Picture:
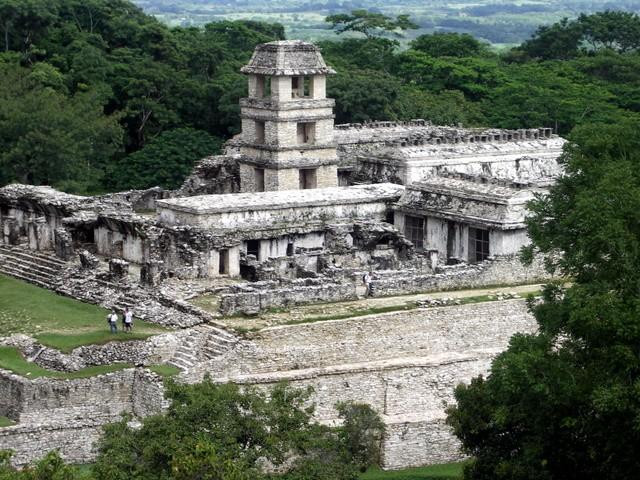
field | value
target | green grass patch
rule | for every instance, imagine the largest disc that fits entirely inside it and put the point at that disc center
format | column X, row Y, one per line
column 6, row 422
column 11, row 359
column 403, row 307
column 57, row 321
column 448, row 471
column 358, row 313
column 165, row 370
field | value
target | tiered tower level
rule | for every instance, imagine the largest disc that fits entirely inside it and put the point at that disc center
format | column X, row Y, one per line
column 287, row 122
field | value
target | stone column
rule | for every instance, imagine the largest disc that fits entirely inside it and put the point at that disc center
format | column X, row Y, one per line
column 10, row 230
column 151, row 272
column 63, row 244
column 43, row 234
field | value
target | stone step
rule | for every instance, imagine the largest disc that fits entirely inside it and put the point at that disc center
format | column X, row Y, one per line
column 184, row 356
column 227, row 342
column 33, row 256
column 180, row 364
column 25, row 277
column 210, row 352
column 30, row 266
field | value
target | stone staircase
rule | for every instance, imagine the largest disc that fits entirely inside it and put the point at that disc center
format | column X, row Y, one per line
column 32, row 266
column 201, row 343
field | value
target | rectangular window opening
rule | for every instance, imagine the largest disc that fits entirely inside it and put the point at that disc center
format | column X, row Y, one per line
column 308, row 178
column 263, row 86
column 259, row 179
column 306, row 132
column 307, row 87
column 260, row 128
column 414, row 231
column 478, row 244
column 253, row 248
column 290, row 249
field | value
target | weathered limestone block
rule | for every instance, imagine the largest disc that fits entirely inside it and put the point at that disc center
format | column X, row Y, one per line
column 88, row 260
column 63, row 244
column 118, row 268
column 151, row 272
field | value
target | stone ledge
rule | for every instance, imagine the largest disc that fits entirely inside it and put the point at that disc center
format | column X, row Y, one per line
column 435, row 360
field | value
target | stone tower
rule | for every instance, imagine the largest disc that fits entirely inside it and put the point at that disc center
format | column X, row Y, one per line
column 287, row 121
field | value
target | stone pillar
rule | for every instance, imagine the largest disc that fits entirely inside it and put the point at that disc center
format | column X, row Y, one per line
column 151, row 272
column 32, row 234
column 43, row 234
column 10, row 231
column 433, row 259
column 212, row 263
column 63, row 244
column 234, row 262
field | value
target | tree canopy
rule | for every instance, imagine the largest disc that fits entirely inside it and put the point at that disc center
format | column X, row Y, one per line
column 370, row 24
column 563, row 403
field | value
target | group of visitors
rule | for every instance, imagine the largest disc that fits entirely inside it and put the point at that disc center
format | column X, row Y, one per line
column 127, row 321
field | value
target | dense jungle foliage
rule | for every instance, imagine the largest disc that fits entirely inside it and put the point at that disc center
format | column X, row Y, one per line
column 95, row 95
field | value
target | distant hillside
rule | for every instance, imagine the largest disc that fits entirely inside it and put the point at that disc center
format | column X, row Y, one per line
column 496, row 21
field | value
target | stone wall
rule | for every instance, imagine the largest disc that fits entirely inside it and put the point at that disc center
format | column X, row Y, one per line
column 404, row 364
column 299, row 293
column 68, row 414
column 418, row 332
column 413, row 442
column 75, row 441
column 501, row 270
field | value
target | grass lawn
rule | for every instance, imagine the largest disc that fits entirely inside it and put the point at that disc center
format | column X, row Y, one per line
column 57, row 321
column 447, row 471
column 6, row 422
column 12, row 359
column 165, row 370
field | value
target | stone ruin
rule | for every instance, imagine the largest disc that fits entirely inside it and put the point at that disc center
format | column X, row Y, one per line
column 293, row 213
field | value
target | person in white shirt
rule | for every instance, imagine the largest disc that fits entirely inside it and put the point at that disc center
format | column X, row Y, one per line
column 128, row 320
column 366, row 279
column 112, row 320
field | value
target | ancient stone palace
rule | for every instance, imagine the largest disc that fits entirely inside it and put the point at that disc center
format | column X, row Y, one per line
column 290, row 216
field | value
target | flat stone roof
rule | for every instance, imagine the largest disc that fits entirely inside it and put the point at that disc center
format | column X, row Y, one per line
column 238, row 202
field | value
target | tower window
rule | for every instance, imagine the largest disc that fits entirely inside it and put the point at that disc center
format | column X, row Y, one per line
column 259, row 179
column 259, row 131
column 306, row 132
column 263, row 86
column 308, row 178
column 301, row 87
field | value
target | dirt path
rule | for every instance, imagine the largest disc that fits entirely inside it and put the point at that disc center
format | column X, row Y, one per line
column 366, row 305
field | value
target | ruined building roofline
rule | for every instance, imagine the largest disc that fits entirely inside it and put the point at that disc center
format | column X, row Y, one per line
column 287, row 58
column 467, row 188
column 237, row 202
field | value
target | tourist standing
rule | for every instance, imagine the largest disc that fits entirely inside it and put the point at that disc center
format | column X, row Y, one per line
column 366, row 279
column 128, row 320
column 112, row 319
